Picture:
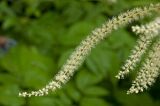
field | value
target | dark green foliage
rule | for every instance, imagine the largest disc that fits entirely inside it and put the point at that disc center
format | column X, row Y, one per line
column 46, row 32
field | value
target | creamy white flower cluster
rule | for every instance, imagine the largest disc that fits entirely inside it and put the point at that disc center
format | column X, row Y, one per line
column 80, row 53
column 147, row 33
column 150, row 69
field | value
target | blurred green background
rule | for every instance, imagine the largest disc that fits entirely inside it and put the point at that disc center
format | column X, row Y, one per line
column 43, row 33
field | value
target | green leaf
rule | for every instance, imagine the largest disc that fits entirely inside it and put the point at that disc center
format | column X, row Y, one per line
column 73, row 92
column 64, row 57
column 96, row 91
column 44, row 30
column 64, row 98
column 10, row 22
column 9, row 96
column 72, row 9
column 84, row 79
column 101, row 60
column 134, row 99
column 8, row 79
column 93, row 102
column 76, row 33
column 45, row 101
column 26, row 63
column 32, row 7
column 121, row 38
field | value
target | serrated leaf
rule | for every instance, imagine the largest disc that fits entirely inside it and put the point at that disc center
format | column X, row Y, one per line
column 101, row 60
column 26, row 63
column 134, row 100
column 45, row 101
column 9, row 95
column 73, row 92
column 76, row 33
column 93, row 102
column 84, row 79
column 96, row 91
column 120, row 38
column 44, row 30
column 64, row 98
column 8, row 79
column 64, row 57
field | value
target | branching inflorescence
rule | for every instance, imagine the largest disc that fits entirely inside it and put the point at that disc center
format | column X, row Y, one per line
column 96, row 36
column 151, row 67
column 147, row 33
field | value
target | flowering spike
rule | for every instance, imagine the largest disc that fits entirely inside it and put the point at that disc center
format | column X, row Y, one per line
column 149, row 71
column 148, row 32
column 80, row 53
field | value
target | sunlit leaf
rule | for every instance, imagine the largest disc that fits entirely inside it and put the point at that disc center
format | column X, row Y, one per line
column 27, row 63
column 85, row 79
column 96, row 91
column 93, row 102
column 9, row 96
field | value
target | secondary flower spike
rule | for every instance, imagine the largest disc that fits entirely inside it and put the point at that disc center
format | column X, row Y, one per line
column 147, row 33
column 149, row 71
column 151, row 66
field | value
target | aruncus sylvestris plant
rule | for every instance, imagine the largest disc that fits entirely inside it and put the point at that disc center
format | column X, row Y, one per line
column 82, row 51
